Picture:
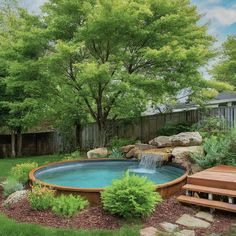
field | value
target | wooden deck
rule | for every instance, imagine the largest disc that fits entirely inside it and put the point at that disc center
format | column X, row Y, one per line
column 214, row 188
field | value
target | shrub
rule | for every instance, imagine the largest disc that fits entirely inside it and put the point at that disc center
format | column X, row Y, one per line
column 116, row 153
column 211, row 126
column 219, row 150
column 119, row 142
column 73, row 156
column 172, row 129
column 10, row 186
column 131, row 196
column 21, row 171
column 41, row 198
column 68, row 205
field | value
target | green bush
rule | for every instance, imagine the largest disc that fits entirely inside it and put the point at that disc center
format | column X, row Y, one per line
column 116, row 153
column 119, row 142
column 220, row 150
column 68, row 205
column 131, row 196
column 73, row 156
column 10, row 186
column 21, row 172
column 172, row 129
column 211, row 126
column 41, row 198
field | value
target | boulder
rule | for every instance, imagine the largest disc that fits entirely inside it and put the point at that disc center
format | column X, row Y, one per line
column 161, row 141
column 134, row 153
column 127, row 148
column 15, row 197
column 182, row 156
column 166, row 153
column 186, row 139
column 137, row 150
column 98, row 153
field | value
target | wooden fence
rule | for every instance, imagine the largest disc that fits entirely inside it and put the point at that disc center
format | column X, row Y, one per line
column 145, row 128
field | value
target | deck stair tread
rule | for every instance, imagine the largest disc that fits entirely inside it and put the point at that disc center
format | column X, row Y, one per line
column 205, row 189
column 223, row 177
column 207, row 203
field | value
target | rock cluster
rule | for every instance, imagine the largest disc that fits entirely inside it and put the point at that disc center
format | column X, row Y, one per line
column 176, row 148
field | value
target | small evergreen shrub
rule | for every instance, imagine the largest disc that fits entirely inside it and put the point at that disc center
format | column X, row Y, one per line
column 131, row 196
column 119, row 142
column 211, row 126
column 68, row 205
column 220, row 150
column 41, row 198
column 21, row 171
column 172, row 129
column 10, row 186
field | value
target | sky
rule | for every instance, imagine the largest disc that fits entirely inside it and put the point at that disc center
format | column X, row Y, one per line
column 219, row 14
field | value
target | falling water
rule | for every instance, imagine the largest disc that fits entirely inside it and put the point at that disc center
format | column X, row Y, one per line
column 148, row 163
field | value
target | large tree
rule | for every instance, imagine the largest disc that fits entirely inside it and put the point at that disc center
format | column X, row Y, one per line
column 225, row 70
column 22, row 43
column 117, row 55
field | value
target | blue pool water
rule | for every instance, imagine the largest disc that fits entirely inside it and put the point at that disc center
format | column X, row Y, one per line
column 99, row 174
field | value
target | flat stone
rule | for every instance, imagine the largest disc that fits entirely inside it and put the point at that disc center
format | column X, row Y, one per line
column 168, row 226
column 205, row 215
column 149, row 231
column 192, row 222
column 185, row 232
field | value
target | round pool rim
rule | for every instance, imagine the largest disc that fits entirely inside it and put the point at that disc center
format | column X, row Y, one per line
column 33, row 178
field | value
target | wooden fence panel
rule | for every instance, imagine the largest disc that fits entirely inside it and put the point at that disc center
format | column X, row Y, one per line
column 145, row 128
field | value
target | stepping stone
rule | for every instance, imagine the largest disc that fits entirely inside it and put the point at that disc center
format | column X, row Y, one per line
column 185, row 232
column 192, row 222
column 149, row 231
column 205, row 215
column 168, row 227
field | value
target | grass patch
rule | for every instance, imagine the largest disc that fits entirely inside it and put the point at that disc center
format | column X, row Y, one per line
column 8, row 163
column 10, row 227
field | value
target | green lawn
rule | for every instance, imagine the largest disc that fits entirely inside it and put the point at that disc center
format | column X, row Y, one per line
column 7, row 164
column 11, row 228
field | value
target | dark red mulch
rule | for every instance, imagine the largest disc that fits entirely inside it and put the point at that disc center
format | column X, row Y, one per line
column 91, row 218
column 170, row 210
column 96, row 218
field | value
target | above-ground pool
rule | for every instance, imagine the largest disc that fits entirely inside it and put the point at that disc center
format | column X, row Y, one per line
column 89, row 177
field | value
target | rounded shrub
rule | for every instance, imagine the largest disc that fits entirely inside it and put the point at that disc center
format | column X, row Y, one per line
column 68, row 205
column 10, row 186
column 20, row 172
column 41, row 198
column 131, row 196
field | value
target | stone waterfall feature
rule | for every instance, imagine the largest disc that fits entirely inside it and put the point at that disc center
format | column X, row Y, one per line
column 148, row 163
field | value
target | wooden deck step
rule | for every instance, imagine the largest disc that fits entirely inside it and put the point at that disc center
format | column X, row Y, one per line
column 204, row 189
column 207, row 203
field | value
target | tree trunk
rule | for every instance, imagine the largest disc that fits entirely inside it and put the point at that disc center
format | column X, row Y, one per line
column 13, row 145
column 102, row 129
column 19, row 144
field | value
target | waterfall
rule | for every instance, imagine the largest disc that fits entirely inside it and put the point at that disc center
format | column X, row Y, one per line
column 148, row 163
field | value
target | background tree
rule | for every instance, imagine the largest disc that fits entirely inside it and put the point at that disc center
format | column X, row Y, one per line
column 225, row 70
column 22, row 43
column 118, row 55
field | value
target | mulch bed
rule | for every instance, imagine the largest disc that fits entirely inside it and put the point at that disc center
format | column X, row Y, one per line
column 96, row 218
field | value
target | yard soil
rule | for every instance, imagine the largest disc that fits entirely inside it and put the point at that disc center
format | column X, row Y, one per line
column 96, row 218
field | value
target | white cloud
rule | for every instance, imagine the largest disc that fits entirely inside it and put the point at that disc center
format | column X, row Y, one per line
column 224, row 16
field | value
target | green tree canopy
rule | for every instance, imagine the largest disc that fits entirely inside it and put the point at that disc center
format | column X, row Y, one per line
column 117, row 55
column 225, row 70
column 22, row 83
